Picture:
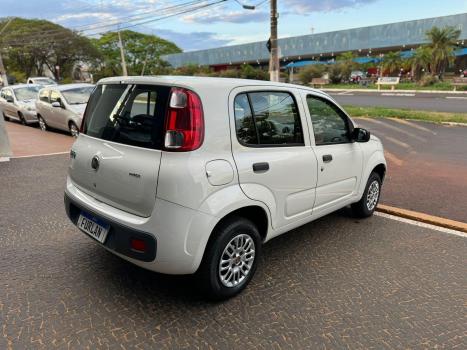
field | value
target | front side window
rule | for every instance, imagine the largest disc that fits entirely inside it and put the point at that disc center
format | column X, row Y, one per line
column 128, row 114
column 267, row 119
column 54, row 96
column 44, row 95
column 77, row 96
column 330, row 125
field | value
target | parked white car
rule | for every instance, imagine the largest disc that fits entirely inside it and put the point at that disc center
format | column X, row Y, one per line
column 44, row 81
column 186, row 175
column 62, row 106
column 17, row 102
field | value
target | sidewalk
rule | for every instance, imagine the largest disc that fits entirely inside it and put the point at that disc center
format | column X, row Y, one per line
column 30, row 141
column 450, row 92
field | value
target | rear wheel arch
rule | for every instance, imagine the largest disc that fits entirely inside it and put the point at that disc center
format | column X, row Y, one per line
column 254, row 213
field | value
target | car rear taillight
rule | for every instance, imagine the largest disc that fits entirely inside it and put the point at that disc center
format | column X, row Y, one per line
column 184, row 125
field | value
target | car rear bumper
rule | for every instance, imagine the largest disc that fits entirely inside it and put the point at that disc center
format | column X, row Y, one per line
column 180, row 234
column 119, row 236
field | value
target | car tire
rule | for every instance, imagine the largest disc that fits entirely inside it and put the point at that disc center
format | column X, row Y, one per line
column 366, row 206
column 5, row 117
column 74, row 130
column 21, row 118
column 42, row 123
column 230, row 258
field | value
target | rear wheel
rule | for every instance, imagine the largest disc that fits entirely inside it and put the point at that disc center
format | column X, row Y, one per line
column 74, row 131
column 366, row 206
column 42, row 123
column 21, row 118
column 230, row 259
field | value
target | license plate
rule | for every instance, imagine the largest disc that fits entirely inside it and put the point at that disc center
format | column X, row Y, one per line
column 93, row 226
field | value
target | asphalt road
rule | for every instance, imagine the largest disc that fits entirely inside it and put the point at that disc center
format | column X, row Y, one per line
column 393, row 99
column 427, row 166
column 336, row 283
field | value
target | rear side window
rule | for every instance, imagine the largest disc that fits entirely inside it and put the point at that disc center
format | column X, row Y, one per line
column 267, row 118
column 128, row 114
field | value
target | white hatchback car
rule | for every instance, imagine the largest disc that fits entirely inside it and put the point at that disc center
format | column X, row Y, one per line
column 186, row 175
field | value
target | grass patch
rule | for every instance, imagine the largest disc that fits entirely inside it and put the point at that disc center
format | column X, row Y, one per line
column 441, row 86
column 382, row 112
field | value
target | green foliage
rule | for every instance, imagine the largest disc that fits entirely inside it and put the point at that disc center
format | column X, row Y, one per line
column 421, row 61
column 428, row 80
column 392, row 62
column 34, row 44
column 307, row 73
column 442, row 44
column 141, row 51
column 249, row 72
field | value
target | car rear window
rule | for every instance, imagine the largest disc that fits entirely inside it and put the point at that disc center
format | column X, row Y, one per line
column 129, row 114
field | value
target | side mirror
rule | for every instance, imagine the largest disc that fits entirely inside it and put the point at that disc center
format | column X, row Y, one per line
column 361, row 135
column 56, row 104
column 10, row 99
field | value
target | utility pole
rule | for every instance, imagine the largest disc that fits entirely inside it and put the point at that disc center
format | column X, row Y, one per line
column 122, row 54
column 2, row 67
column 274, row 67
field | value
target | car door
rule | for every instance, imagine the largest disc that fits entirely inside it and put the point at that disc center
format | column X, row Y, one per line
column 270, row 144
column 58, row 115
column 340, row 159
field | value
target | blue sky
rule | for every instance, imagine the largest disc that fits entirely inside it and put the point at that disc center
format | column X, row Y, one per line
column 227, row 23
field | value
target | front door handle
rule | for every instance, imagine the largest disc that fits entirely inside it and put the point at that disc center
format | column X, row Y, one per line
column 260, row 167
column 327, row 158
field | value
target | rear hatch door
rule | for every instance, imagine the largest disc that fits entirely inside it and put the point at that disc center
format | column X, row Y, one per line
column 117, row 156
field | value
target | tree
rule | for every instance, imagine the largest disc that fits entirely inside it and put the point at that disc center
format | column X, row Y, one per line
column 141, row 50
column 346, row 64
column 33, row 45
column 392, row 62
column 442, row 44
column 421, row 61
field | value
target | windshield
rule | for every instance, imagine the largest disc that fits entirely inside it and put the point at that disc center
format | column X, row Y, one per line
column 26, row 93
column 44, row 81
column 77, row 96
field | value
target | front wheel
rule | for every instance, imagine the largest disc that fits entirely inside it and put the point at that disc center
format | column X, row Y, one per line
column 230, row 259
column 74, row 131
column 366, row 206
column 5, row 117
column 42, row 123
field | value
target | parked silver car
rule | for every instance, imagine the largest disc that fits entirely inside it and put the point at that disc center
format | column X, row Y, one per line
column 62, row 106
column 17, row 102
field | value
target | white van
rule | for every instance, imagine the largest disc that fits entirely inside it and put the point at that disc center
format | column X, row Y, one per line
column 186, row 175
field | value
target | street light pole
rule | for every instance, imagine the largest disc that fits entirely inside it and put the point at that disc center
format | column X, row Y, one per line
column 122, row 54
column 274, row 58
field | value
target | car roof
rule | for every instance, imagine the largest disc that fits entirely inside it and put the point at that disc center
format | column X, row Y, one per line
column 65, row 87
column 195, row 82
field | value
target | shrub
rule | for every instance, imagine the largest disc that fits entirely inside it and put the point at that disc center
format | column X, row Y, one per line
column 428, row 80
column 306, row 74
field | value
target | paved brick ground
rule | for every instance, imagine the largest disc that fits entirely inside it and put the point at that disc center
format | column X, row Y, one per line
column 337, row 283
column 30, row 140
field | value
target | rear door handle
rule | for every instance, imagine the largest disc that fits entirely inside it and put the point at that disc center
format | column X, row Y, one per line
column 260, row 167
column 327, row 158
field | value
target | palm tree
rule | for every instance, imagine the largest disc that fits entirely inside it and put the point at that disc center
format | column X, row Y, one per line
column 443, row 42
column 421, row 60
column 392, row 62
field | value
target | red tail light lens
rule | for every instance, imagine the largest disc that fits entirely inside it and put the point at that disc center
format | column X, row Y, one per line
column 138, row 245
column 184, row 125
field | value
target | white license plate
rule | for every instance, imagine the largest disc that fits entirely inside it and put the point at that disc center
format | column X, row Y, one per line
column 93, row 226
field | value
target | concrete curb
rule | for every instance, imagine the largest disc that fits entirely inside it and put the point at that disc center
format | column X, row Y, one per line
column 396, row 91
column 428, row 219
